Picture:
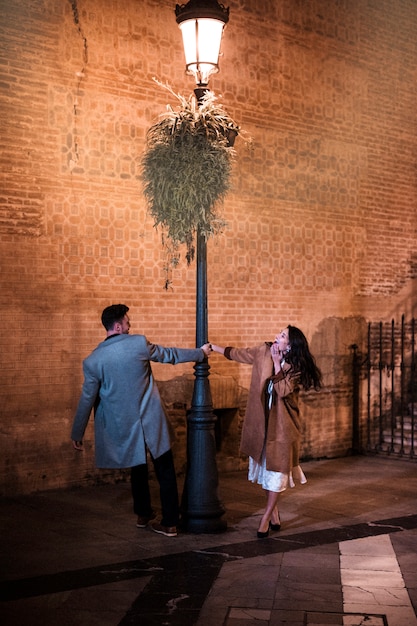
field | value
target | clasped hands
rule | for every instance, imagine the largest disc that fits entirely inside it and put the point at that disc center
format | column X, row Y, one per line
column 206, row 348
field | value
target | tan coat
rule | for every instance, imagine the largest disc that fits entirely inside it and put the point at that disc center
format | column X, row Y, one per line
column 280, row 427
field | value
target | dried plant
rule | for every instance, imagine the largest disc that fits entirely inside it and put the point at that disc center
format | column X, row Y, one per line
column 187, row 169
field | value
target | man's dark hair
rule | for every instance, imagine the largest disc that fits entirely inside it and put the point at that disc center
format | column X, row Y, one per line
column 113, row 314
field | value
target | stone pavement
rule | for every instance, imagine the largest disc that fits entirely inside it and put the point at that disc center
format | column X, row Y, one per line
column 346, row 554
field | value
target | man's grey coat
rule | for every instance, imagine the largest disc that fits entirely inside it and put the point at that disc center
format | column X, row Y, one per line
column 129, row 414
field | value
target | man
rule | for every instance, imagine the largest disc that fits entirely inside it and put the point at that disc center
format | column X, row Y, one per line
column 129, row 418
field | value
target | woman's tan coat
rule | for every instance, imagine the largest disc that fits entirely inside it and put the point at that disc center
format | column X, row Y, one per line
column 280, row 427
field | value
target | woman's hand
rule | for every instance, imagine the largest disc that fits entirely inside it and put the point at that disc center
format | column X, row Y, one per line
column 276, row 357
column 276, row 352
column 218, row 349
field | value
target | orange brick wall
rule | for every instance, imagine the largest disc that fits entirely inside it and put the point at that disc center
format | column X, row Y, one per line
column 321, row 219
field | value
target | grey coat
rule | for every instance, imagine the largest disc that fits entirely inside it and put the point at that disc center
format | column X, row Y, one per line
column 129, row 415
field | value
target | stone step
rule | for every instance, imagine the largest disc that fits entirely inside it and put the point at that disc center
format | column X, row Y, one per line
column 397, row 434
column 406, row 448
column 407, row 422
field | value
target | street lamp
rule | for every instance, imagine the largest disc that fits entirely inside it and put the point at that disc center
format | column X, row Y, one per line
column 201, row 23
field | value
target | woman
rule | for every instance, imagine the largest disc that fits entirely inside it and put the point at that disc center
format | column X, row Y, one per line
column 271, row 432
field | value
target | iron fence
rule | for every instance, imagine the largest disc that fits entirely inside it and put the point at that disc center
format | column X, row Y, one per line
column 385, row 391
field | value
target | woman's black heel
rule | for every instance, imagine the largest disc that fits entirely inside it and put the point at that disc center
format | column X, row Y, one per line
column 261, row 535
column 275, row 526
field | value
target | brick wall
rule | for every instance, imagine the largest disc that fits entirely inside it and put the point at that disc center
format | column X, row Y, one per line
column 321, row 218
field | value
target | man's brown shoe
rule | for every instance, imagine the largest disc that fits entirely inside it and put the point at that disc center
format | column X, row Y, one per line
column 168, row 531
column 143, row 520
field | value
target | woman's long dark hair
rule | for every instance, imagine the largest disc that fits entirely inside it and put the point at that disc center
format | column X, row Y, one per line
column 302, row 360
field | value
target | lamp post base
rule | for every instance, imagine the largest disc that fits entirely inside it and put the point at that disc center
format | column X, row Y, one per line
column 201, row 508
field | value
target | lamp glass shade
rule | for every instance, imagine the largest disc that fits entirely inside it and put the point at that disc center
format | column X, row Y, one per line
column 201, row 39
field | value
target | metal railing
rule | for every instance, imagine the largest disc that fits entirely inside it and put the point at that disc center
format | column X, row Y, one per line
column 385, row 391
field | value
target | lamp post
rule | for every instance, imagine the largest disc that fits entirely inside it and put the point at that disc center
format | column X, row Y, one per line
column 201, row 23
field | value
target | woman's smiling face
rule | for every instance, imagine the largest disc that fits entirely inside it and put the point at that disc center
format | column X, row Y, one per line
column 282, row 340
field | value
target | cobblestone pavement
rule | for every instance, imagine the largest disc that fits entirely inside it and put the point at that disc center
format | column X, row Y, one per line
column 346, row 554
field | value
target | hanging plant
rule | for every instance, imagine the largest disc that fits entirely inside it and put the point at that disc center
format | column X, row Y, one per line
column 186, row 171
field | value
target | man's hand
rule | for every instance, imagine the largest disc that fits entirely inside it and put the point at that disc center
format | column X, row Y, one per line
column 206, row 348
column 77, row 445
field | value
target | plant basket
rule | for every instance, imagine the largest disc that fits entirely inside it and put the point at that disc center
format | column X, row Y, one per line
column 186, row 171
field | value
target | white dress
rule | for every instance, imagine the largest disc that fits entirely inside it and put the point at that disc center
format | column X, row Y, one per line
column 274, row 481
